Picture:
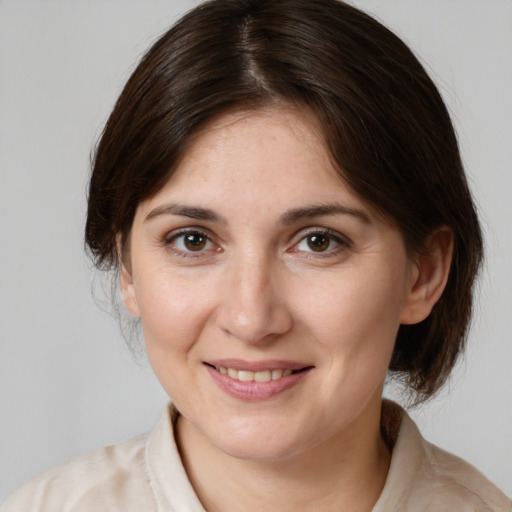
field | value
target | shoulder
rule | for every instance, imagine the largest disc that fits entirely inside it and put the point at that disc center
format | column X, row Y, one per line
column 448, row 477
column 110, row 478
column 423, row 477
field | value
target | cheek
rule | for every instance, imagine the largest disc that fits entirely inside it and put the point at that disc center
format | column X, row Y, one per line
column 348, row 309
column 173, row 311
column 354, row 322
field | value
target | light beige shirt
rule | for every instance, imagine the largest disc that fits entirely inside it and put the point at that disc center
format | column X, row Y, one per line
column 146, row 475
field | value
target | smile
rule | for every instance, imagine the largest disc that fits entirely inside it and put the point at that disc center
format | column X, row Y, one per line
column 258, row 380
column 250, row 376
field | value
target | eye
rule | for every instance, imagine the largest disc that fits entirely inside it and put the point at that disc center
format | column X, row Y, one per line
column 190, row 241
column 320, row 242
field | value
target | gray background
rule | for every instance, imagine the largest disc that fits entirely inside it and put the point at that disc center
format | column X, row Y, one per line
column 67, row 382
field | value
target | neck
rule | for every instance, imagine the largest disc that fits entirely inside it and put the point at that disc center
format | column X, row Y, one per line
column 345, row 472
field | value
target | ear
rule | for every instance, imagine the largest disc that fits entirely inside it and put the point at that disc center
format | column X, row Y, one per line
column 429, row 276
column 126, row 281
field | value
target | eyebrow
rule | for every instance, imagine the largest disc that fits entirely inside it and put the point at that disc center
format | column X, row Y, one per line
column 288, row 218
column 321, row 210
column 192, row 212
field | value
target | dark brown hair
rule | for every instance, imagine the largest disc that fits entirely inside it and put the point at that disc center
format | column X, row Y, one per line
column 383, row 121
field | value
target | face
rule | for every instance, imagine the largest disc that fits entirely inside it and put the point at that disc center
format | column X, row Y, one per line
column 269, row 294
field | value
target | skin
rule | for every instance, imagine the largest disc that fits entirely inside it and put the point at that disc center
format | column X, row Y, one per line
column 253, row 288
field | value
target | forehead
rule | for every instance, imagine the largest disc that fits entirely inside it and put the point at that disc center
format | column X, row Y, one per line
column 278, row 152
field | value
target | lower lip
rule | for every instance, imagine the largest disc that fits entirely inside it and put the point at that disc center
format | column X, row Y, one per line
column 254, row 391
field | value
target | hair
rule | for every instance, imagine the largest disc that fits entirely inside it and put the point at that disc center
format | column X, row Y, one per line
column 384, row 123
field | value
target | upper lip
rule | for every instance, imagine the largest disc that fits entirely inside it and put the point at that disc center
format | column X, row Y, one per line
column 257, row 366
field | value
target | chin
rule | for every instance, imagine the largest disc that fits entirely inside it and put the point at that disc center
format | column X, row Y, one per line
column 258, row 442
column 258, row 450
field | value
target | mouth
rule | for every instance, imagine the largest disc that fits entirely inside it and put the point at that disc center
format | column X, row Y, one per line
column 257, row 376
column 256, row 381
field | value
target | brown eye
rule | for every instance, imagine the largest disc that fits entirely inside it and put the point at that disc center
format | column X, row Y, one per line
column 195, row 241
column 321, row 242
column 318, row 242
column 190, row 241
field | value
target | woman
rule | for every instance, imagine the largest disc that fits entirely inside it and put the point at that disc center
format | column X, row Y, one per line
column 280, row 189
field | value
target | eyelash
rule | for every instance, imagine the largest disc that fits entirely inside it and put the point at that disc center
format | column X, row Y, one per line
column 332, row 236
column 170, row 242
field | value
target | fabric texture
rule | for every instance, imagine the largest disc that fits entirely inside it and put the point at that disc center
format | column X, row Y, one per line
column 146, row 474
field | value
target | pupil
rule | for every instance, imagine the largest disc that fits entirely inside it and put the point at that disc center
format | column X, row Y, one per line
column 318, row 243
column 195, row 241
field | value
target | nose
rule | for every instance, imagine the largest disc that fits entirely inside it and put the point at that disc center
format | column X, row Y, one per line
column 254, row 303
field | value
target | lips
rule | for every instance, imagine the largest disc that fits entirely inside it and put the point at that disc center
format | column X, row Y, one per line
column 250, row 376
column 256, row 380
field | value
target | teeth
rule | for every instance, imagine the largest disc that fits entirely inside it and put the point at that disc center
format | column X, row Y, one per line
column 245, row 376
column 277, row 374
column 248, row 376
column 265, row 376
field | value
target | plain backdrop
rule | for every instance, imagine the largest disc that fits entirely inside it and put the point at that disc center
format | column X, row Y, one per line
column 67, row 382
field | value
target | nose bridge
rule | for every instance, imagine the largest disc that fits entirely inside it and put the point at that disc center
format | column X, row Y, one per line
column 253, row 272
column 253, row 308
